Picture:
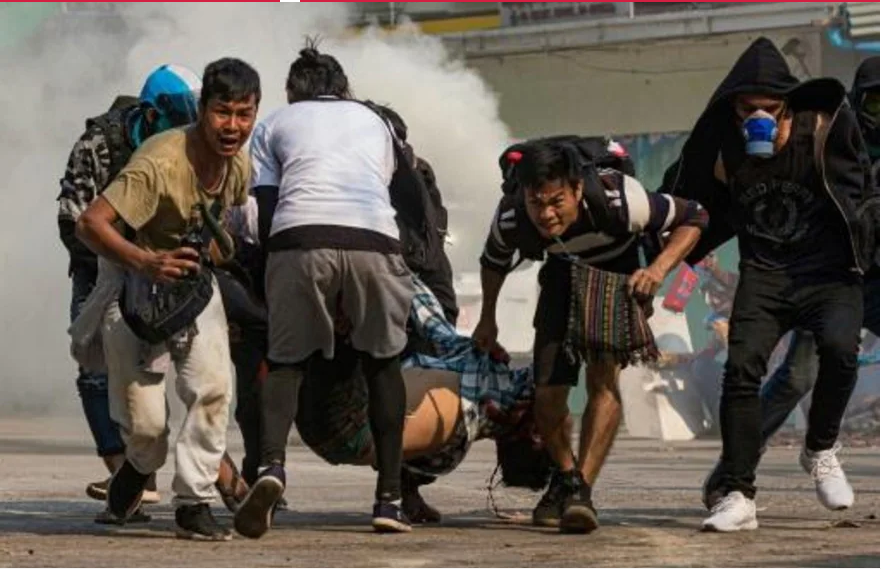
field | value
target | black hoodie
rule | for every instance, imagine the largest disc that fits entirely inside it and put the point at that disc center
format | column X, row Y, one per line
column 866, row 79
column 845, row 167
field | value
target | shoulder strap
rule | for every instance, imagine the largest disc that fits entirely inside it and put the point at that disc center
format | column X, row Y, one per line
column 596, row 203
column 112, row 125
column 410, row 206
column 211, row 228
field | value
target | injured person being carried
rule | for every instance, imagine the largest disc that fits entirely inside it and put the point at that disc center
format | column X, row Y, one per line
column 456, row 395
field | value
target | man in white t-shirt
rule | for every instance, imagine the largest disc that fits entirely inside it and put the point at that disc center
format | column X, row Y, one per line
column 321, row 173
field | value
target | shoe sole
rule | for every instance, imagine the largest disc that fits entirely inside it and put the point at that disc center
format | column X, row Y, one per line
column 96, row 493
column 105, row 518
column 100, row 494
column 749, row 526
column 546, row 522
column 389, row 525
column 151, row 497
column 182, row 533
column 578, row 519
column 254, row 515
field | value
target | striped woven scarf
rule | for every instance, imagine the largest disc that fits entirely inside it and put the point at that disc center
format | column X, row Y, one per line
column 605, row 321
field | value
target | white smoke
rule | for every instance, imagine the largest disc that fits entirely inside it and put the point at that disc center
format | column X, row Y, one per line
column 57, row 80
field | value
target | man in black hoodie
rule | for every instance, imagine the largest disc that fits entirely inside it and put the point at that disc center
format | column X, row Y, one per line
column 795, row 377
column 782, row 166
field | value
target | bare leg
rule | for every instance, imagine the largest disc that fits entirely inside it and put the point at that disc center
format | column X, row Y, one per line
column 554, row 423
column 601, row 419
column 599, row 425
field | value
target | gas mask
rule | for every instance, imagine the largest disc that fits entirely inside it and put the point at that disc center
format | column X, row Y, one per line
column 760, row 131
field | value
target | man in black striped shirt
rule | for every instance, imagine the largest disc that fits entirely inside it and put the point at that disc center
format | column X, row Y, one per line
column 563, row 208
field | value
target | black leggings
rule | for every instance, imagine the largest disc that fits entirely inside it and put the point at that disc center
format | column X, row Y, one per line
column 248, row 350
column 387, row 400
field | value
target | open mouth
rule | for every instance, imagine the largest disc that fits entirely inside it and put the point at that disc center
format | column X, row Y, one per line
column 228, row 143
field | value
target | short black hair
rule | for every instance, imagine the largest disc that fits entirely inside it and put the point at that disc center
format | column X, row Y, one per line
column 229, row 79
column 316, row 74
column 546, row 161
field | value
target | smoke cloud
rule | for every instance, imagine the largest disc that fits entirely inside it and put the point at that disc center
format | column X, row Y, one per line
column 76, row 65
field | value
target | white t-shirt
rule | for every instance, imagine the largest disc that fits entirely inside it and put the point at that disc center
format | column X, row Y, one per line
column 332, row 162
column 241, row 221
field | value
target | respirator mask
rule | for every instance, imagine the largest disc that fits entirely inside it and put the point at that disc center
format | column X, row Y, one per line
column 760, row 131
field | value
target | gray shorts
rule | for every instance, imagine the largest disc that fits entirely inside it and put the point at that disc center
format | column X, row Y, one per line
column 306, row 287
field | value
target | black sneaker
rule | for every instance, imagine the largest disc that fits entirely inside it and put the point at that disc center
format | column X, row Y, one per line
column 417, row 510
column 196, row 522
column 253, row 517
column 579, row 515
column 104, row 517
column 389, row 518
column 549, row 510
column 125, row 491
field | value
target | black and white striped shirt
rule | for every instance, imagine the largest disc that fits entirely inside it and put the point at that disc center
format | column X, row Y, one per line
column 630, row 211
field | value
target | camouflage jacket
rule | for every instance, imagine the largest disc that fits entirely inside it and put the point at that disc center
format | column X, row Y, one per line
column 90, row 168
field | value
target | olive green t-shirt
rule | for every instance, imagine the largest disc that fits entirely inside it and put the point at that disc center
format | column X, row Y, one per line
column 156, row 191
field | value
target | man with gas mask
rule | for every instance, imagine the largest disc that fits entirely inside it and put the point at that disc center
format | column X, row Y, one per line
column 795, row 377
column 782, row 165
column 167, row 100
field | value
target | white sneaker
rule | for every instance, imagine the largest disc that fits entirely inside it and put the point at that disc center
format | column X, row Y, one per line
column 734, row 512
column 833, row 490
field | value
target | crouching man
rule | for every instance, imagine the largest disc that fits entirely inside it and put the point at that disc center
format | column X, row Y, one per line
column 198, row 168
column 564, row 205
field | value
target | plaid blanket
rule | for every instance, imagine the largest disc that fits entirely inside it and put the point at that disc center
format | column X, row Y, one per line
column 485, row 385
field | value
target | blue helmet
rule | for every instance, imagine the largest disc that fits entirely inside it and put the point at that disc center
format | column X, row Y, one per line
column 173, row 91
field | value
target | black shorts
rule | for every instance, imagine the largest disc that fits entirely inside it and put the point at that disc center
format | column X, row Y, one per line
column 553, row 366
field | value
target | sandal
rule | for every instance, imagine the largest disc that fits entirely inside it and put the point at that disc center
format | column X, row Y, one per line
column 232, row 494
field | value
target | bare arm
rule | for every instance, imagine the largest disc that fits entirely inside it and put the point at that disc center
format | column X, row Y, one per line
column 95, row 228
column 684, row 219
column 490, row 285
column 682, row 241
column 495, row 263
column 486, row 332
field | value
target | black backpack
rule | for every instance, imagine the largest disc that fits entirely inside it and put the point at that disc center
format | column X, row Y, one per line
column 419, row 221
column 600, row 151
column 112, row 125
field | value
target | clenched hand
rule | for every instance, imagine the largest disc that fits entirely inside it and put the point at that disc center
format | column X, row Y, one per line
column 644, row 283
column 169, row 266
